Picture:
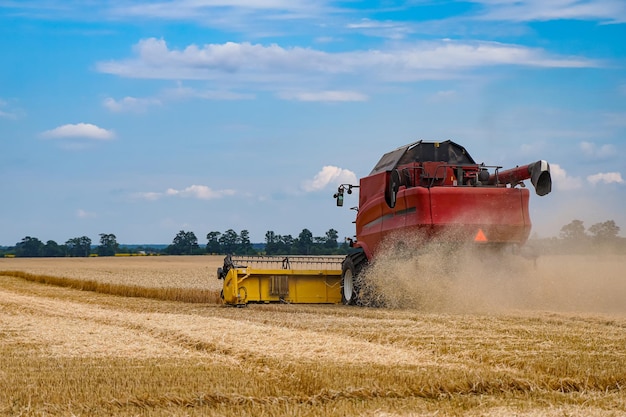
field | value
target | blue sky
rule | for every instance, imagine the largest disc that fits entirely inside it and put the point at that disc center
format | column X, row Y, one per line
column 144, row 118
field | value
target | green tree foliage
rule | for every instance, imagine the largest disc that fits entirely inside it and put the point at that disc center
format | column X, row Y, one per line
column 229, row 241
column 79, row 246
column 604, row 232
column 286, row 245
column 271, row 242
column 184, row 243
column 245, row 246
column 573, row 231
column 108, row 245
column 304, row 244
column 53, row 249
column 330, row 241
column 279, row 244
column 29, row 247
column 213, row 242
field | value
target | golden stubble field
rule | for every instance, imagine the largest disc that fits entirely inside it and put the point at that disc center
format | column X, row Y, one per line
column 478, row 339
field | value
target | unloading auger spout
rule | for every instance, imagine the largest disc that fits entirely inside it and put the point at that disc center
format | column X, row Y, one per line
column 538, row 173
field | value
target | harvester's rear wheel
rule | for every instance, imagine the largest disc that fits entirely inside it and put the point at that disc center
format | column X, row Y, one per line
column 350, row 285
column 349, row 290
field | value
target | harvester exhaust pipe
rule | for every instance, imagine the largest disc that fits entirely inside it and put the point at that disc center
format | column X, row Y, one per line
column 538, row 173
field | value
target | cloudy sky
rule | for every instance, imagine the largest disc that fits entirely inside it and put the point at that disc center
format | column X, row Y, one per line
column 144, row 118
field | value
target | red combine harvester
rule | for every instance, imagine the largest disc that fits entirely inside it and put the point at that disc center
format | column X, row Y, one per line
column 431, row 190
column 437, row 191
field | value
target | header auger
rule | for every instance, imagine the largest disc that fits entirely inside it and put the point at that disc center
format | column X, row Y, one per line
column 431, row 189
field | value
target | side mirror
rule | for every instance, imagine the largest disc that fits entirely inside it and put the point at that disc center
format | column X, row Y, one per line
column 339, row 197
column 341, row 190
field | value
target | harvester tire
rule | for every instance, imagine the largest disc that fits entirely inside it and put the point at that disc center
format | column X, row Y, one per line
column 350, row 285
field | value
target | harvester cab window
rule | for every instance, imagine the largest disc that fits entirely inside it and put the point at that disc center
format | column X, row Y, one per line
column 447, row 152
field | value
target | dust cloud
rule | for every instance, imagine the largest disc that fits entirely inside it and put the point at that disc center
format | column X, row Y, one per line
column 441, row 277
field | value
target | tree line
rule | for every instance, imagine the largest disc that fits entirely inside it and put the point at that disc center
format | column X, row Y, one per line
column 185, row 243
column 599, row 232
column 31, row 247
column 573, row 237
column 231, row 242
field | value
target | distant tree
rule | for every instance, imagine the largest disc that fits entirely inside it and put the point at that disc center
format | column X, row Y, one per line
column 271, row 242
column 213, row 242
column 53, row 249
column 604, row 232
column 29, row 247
column 79, row 246
column 344, row 247
column 317, row 247
column 229, row 241
column 331, row 239
column 575, row 231
column 108, row 245
column 245, row 246
column 304, row 242
column 286, row 245
column 184, row 243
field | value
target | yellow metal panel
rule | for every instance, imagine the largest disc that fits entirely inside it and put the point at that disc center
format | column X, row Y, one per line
column 244, row 285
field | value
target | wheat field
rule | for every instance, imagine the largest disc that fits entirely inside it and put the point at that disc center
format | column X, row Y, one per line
column 484, row 340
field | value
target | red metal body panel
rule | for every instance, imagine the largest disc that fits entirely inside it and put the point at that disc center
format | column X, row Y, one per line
column 500, row 212
column 369, row 218
column 437, row 191
column 445, row 212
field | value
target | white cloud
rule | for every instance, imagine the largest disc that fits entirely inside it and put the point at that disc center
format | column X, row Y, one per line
column 149, row 195
column 80, row 130
column 130, row 104
column 329, row 175
column 5, row 111
column 441, row 96
column 295, row 16
column 602, row 152
column 140, row 105
column 606, row 178
column 256, row 63
column 325, row 39
column 562, row 181
column 386, row 29
column 200, row 10
column 612, row 11
column 7, row 115
column 615, row 119
column 327, row 96
column 369, row 23
column 200, row 192
column 83, row 214
column 184, row 93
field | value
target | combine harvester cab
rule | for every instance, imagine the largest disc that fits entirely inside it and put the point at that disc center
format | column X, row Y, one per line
column 281, row 279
